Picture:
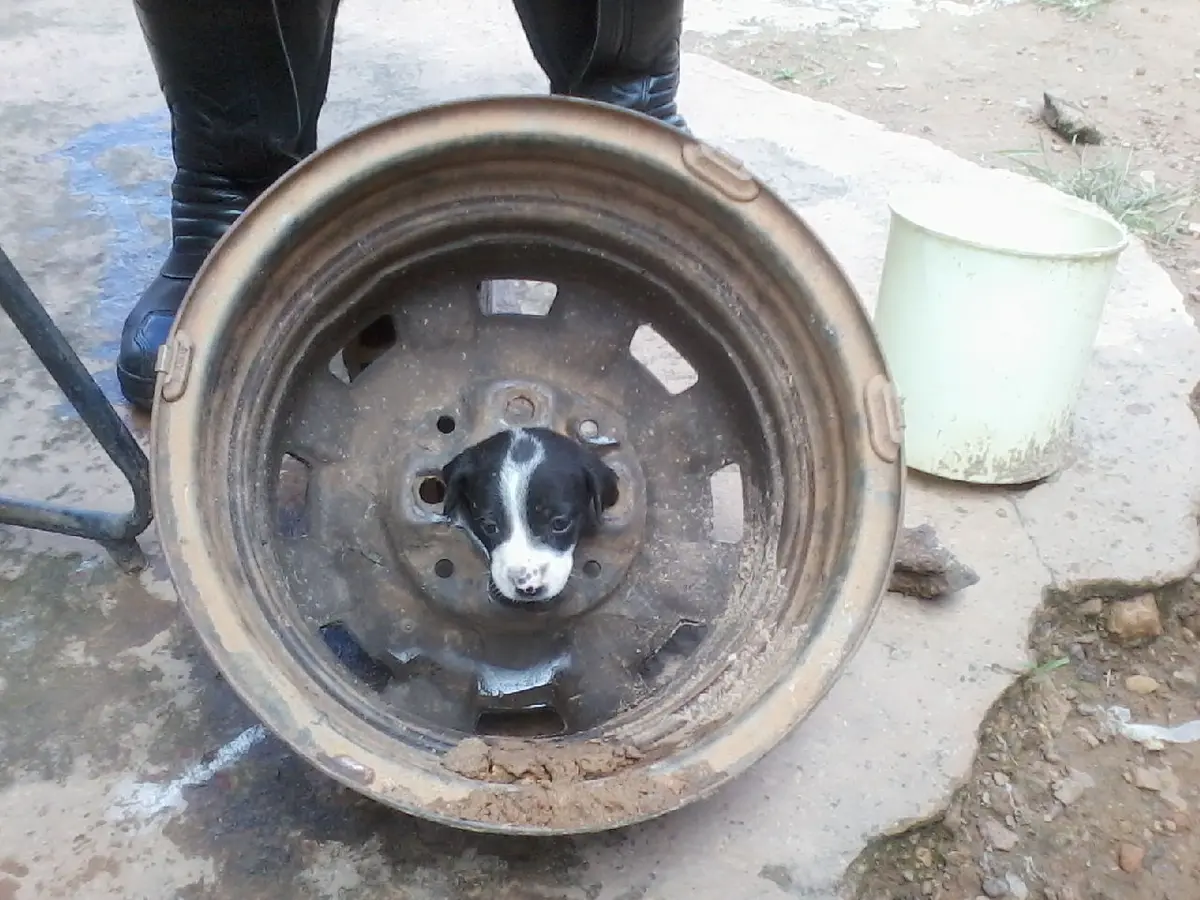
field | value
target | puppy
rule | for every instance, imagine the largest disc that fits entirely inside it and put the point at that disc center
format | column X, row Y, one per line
column 527, row 496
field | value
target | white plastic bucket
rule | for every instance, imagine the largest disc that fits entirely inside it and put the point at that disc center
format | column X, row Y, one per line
column 988, row 309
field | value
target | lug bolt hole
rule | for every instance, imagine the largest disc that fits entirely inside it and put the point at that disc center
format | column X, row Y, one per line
column 520, row 409
column 591, row 568
column 446, row 424
column 443, row 568
column 431, row 490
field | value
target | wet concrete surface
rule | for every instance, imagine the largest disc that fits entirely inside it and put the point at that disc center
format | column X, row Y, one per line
column 128, row 768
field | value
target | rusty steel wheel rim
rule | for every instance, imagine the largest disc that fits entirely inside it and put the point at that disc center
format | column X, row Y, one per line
column 383, row 306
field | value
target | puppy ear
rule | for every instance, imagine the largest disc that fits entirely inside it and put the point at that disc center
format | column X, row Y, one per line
column 457, row 475
column 601, row 483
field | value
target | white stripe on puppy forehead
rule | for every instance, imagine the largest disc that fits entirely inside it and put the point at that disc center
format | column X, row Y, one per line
column 525, row 454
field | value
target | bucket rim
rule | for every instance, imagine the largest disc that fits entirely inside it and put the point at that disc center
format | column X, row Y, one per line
column 902, row 199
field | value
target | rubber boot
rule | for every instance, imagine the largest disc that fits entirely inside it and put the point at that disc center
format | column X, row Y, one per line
column 244, row 81
column 621, row 52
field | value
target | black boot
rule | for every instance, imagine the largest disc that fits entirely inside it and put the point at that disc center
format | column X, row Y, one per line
column 622, row 52
column 244, row 82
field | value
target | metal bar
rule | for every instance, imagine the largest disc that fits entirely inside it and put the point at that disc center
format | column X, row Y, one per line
column 117, row 532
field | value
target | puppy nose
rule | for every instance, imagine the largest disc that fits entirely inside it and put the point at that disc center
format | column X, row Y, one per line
column 528, row 582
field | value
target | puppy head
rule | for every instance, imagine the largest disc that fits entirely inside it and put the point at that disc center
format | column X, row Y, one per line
column 527, row 496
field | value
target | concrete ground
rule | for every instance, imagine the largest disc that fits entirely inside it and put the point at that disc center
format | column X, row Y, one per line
column 130, row 770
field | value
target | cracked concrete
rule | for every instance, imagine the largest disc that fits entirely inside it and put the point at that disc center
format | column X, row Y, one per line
column 127, row 767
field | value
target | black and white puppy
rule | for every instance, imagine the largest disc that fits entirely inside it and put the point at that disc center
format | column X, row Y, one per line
column 527, row 496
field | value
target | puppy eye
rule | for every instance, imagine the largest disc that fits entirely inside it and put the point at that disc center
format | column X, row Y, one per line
column 560, row 524
column 489, row 527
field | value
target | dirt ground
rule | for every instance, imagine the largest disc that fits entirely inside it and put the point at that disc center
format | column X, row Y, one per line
column 975, row 85
column 1058, row 806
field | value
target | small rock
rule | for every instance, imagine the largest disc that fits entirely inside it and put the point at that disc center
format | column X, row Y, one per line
column 1000, row 778
column 1135, row 619
column 1186, row 676
column 1087, row 737
column 1129, row 857
column 925, row 569
column 1141, row 684
column 925, row 856
column 1017, row 888
column 996, row 835
column 1068, row 120
column 1068, row 790
column 1147, row 779
column 1170, row 792
column 1091, row 607
column 995, row 887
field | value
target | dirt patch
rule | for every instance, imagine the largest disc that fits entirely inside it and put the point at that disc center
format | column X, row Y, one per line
column 566, row 786
column 975, row 85
column 1060, row 804
column 538, row 762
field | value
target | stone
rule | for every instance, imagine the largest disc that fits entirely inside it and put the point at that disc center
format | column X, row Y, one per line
column 1147, row 779
column 1170, row 791
column 1087, row 737
column 1000, row 778
column 1129, row 857
column 1186, row 676
column 1136, row 619
column 1141, row 684
column 996, row 835
column 1069, row 120
column 1069, row 789
column 1017, row 889
column 925, row 569
column 995, row 887
column 1091, row 607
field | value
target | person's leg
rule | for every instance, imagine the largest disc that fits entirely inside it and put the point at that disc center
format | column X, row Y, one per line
column 622, row 52
column 244, row 81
